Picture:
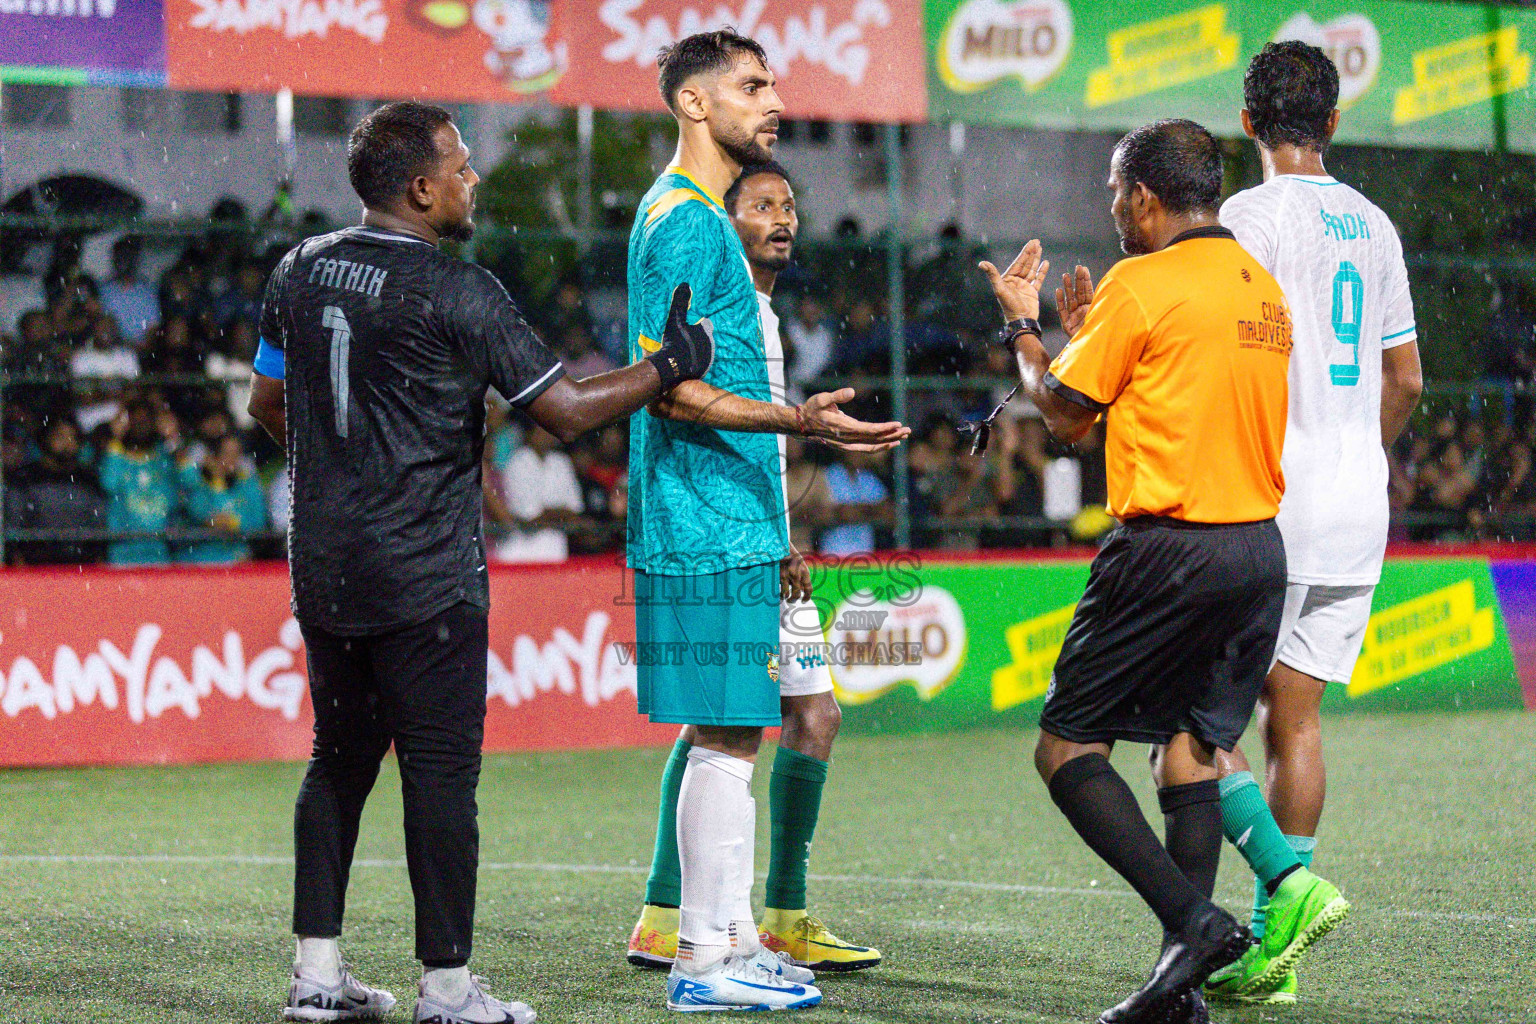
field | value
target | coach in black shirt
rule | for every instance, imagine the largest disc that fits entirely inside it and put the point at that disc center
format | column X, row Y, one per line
column 376, row 353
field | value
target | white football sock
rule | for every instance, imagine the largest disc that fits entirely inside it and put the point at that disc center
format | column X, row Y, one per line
column 318, row 960
column 712, row 808
column 743, row 927
column 446, row 985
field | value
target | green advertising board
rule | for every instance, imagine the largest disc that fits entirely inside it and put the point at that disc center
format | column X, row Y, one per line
column 945, row 646
column 1452, row 76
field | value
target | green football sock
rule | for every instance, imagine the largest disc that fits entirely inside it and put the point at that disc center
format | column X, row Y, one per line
column 1304, row 846
column 1250, row 827
column 665, row 886
column 794, row 804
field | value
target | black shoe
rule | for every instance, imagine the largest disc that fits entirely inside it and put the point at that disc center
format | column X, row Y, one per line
column 1211, row 940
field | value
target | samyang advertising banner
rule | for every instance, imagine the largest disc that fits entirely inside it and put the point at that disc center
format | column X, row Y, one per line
column 835, row 60
column 451, row 50
column 83, row 42
column 1453, row 76
column 156, row 666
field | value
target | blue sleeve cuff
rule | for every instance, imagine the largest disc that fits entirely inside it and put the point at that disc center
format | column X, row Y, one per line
column 269, row 360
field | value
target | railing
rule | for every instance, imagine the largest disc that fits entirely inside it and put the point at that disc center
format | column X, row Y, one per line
column 883, row 269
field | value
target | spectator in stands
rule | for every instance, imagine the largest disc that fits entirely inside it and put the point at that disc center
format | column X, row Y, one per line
column 860, row 500
column 808, row 344
column 181, row 296
column 806, row 493
column 599, row 467
column 140, row 483
column 946, row 289
column 865, row 343
column 950, row 482
column 539, row 495
column 221, row 493
column 134, row 302
column 580, row 354
column 237, row 312
column 56, row 492
column 1445, row 487
column 1508, row 348
column 73, row 305
column 104, row 356
column 37, row 349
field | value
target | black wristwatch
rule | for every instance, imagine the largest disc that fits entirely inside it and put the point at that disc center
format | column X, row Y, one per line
column 1015, row 327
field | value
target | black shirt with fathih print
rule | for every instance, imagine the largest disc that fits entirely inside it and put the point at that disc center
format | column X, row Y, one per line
column 388, row 349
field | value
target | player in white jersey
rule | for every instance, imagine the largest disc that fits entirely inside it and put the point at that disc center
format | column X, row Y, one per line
column 1354, row 380
column 761, row 205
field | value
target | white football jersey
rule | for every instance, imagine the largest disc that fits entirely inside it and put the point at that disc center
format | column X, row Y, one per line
column 1340, row 263
column 773, row 348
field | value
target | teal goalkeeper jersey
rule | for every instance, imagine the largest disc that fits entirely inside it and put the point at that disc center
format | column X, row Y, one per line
column 700, row 500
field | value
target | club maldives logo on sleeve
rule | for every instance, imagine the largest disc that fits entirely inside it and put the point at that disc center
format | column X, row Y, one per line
column 920, row 640
column 986, row 41
column 1157, row 55
column 1461, row 73
column 1351, row 42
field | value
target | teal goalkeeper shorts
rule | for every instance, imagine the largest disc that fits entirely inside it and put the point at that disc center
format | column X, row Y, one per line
column 706, row 647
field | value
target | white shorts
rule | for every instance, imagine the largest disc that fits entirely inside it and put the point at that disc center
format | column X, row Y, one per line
column 1322, row 629
column 803, row 667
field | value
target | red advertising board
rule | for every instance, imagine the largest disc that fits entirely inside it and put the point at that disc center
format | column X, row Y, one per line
column 836, row 59
column 455, row 50
column 159, row 666
column 848, row 60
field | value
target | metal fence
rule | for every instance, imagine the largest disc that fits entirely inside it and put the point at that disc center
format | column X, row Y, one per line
column 913, row 287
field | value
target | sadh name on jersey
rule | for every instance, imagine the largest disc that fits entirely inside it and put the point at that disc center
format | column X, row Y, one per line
column 1340, row 263
column 701, row 500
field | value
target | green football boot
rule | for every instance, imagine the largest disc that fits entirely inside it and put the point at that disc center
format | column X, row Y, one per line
column 1303, row 910
column 1229, row 985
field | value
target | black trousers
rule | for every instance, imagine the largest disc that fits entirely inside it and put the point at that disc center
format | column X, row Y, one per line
column 422, row 689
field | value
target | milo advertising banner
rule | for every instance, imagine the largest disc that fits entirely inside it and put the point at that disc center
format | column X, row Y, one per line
column 920, row 646
column 1411, row 74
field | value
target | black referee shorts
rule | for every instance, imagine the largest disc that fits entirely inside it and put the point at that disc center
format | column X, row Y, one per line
column 1175, row 633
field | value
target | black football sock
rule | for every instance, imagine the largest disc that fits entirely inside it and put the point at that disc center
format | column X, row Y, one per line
column 1192, row 832
column 1103, row 810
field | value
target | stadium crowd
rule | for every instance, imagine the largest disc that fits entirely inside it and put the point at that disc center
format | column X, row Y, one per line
column 124, row 411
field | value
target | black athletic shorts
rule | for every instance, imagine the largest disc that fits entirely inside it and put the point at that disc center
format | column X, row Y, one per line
column 1175, row 633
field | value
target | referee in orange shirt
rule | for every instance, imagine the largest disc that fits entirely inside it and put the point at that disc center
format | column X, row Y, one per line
column 1184, row 348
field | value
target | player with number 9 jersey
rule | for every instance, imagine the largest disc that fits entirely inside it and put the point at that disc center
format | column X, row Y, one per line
column 1340, row 263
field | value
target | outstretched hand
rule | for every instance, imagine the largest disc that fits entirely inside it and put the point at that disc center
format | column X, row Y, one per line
column 1018, row 288
column 822, row 419
column 1073, row 299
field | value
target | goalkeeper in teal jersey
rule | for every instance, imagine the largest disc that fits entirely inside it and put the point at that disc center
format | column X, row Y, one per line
column 707, row 524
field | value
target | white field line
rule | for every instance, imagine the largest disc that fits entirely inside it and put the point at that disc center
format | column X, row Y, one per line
column 255, row 860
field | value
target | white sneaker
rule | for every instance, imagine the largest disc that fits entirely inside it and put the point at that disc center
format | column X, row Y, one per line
column 736, row 983
column 478, row 1007
column 348, row 999
column 780, row 964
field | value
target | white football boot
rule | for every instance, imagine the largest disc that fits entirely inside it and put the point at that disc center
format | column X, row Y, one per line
column 478, row 1007
column 348, row 999
column 781, row 965
column 736, row 983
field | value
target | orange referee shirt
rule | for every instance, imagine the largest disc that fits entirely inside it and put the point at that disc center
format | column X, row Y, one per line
column 1187, row 351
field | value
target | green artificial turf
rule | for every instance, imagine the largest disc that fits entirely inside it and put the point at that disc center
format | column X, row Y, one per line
column 162, row 894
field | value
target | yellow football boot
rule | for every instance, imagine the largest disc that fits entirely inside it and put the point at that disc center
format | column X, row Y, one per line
column 809, row 944
column 653, row 943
